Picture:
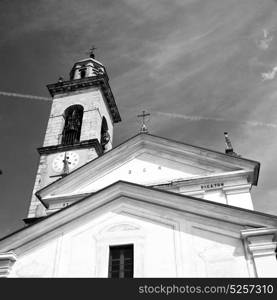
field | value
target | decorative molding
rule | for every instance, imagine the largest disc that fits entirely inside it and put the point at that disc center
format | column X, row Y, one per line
column 237, row 189
column 122, row 227
column 53, row 204
column 85, row 83
column 6, row 262
column 211, row 179
column 145, row 143
column 83, row 144
column 262, row 249
column 198, row 193
column 133, row 192
column 245, row 233
column 260, row 240
column 106, row 237
column 261, row 245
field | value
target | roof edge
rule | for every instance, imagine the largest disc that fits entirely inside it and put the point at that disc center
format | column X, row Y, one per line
column 256, row 165
column 113, row 191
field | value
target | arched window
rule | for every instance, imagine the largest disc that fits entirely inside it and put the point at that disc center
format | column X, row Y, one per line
column 83, row 72
column 105, row 136
column 73, row 122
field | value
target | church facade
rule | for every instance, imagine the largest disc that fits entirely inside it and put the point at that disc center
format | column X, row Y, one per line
column 150, row 207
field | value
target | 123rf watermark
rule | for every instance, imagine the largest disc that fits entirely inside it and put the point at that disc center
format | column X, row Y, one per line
column 228, row 289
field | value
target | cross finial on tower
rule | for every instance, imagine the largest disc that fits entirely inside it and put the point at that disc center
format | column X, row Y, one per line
column 91, row 52
column 143, row 128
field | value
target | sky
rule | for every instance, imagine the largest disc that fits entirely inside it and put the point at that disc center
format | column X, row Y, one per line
column 199, row 67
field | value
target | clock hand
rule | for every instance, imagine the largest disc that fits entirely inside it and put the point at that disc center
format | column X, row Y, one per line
column 66, row 164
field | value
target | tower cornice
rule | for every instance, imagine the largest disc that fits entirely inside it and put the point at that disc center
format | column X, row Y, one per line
column 61, row 148
column 101, row 81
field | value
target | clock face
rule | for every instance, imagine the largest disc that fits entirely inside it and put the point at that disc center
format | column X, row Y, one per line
column 72, row 161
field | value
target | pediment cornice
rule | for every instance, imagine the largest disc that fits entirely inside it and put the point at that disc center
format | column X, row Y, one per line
column 123, row 191
column 209, row 160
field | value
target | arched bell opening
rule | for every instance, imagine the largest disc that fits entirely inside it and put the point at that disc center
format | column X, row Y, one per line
column 105, row 136
column 73, row 116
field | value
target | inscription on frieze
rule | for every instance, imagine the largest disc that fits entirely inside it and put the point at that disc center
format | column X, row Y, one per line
column 212, row 186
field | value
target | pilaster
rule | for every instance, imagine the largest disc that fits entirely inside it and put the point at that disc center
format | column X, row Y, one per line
column 7, row 260
column 261, row 244
column 239, row 195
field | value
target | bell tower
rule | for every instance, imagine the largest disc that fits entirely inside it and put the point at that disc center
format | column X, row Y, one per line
column 80, row 126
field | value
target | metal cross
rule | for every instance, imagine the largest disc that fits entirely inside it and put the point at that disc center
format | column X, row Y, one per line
column 143, row 128
column 91, row 52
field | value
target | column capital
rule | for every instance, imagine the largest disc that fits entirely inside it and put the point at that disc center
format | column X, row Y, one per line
column 237, row 189
column 258, row 248
column 261, row 243
column 246, row 233
column 7, row 260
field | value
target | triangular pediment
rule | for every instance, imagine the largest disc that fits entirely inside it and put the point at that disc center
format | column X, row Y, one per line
column 147, row 169
column 148, row 160
column 138, row 197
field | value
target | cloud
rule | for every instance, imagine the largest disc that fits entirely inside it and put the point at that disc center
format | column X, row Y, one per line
column 265, row 42
column 200, row 118
column 24, row 96
column 197, row 58
column 270, row 75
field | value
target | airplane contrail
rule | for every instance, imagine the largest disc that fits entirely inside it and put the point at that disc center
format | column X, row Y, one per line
column 199, row 118
column 24, row 96
column 170, row 115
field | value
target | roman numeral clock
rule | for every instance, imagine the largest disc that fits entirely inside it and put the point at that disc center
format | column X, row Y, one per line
column 65, row 162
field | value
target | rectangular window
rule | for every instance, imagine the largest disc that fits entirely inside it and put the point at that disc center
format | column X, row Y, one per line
column 121, row 261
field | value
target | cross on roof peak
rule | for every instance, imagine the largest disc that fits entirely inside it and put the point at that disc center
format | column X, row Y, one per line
column 143, row 115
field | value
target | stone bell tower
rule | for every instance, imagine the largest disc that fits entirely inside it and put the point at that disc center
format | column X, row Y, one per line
column 80, row 126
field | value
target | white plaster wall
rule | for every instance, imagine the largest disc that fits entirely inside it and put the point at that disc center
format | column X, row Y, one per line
column 216, row 196
column 142, row 171
column 241, row 199
column 166, row 244
column 38, row 262
column 218, row 255
column 237, row 198
column 137, row 171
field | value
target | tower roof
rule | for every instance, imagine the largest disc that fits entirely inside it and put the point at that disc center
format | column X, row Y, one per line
column 87, row 73
column 88, row 59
